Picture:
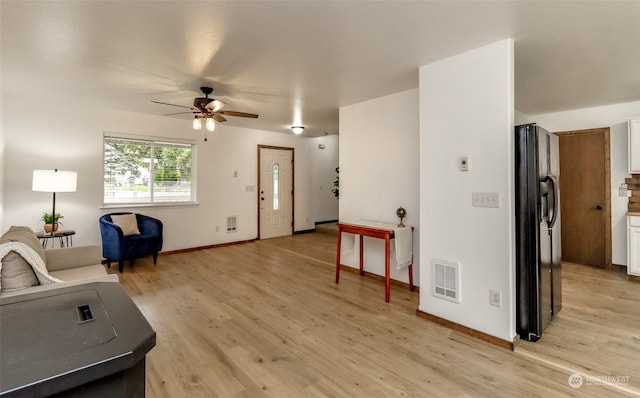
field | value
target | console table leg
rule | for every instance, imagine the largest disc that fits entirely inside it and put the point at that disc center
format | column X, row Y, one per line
column 387, row 271
column 411, row 287
column 361, row 256
column 338, row 255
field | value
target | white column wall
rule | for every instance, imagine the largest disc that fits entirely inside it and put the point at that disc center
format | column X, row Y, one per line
column 466, row 109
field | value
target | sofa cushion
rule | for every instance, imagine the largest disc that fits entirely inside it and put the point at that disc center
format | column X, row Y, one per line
column 16, row 272
column 127, row 222
column 60, row 285
column 73, row 257
column 86, row 272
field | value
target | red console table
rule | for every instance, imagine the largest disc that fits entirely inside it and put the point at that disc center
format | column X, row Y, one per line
column 374, row 232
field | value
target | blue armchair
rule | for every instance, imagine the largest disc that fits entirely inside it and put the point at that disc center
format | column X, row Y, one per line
column 117, row 246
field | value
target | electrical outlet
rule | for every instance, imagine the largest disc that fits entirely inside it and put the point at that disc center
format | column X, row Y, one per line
column 495, row 298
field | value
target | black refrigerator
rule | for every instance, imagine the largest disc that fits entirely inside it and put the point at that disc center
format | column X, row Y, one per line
column 538, row 251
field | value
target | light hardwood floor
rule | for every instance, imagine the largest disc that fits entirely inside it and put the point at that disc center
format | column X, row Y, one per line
column 266, row 319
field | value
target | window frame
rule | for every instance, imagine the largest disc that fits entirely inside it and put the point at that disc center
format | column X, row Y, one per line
column 153, row 141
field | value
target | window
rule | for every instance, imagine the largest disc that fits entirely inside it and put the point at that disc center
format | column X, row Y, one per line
column 276, row 189
column 145, row 171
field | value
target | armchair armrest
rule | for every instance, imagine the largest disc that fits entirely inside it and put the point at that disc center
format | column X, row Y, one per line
column 149, row 226
column 110, row 230
column 72, row 257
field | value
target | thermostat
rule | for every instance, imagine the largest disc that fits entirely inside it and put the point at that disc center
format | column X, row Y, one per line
column 463, row 164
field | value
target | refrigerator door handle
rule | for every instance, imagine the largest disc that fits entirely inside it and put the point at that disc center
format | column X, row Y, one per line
column 551, row 180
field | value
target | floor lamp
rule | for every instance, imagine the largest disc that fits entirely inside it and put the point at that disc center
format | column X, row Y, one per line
column 54, row 181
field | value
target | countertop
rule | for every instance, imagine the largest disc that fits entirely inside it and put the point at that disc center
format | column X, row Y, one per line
column 633, row 213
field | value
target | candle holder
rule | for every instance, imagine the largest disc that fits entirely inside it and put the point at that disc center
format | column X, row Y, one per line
column 402, row 213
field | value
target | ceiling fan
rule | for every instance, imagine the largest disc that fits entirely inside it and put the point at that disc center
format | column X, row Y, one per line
column 208, row 109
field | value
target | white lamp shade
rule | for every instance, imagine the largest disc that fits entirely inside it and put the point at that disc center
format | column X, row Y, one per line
column 54, row 181
column 297, row 129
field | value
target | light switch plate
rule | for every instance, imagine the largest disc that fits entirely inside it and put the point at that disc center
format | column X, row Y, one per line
column 485, row 199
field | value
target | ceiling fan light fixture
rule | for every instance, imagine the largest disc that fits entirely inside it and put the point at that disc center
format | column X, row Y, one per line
column 297, row 129
column 211, row 124
column 197, row 123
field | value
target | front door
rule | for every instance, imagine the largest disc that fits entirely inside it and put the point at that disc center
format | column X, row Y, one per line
column 585, row 197
column 276, row 191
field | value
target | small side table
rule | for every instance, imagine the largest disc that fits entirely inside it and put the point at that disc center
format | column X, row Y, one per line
column 373, row 231
column 64, row 237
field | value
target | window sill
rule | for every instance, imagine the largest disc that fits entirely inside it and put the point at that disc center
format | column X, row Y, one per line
column 147, row 205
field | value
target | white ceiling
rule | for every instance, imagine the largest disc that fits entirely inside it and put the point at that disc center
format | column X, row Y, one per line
column 299, row 61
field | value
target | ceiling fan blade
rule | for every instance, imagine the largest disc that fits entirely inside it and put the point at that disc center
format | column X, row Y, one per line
column 218, row 118
column 178, row 113
column 215, row 105
column 239, row 114
column 165, row 103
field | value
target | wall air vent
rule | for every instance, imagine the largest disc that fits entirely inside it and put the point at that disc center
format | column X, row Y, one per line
column 231, row 224
column 446, row 280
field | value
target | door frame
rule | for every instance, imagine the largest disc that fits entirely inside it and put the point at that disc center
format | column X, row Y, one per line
column 605, row 131
column 293, row 190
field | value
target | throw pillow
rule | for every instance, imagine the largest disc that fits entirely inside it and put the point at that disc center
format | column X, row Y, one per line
column 16, row 273
column 128, row 223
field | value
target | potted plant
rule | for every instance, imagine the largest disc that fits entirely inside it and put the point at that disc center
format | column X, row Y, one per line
column 336, row 184
column 49, row 220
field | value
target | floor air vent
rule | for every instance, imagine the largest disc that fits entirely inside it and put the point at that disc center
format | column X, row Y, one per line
column 446, row 280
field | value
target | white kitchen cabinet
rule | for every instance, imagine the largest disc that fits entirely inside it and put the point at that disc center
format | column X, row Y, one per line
column 634, row 146
column 633, row 245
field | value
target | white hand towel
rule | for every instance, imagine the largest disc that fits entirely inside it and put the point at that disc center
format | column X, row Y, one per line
column 404, row 246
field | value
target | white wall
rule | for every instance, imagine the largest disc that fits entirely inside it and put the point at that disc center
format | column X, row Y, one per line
column 2, row 157
column 69, row 137
column 466, row 109
column 323, row 174
column 379, row 172
column 615, row 117
column 2, row 146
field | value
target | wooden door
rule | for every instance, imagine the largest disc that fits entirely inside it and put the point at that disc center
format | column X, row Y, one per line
column 275, row 207
column 585, row 199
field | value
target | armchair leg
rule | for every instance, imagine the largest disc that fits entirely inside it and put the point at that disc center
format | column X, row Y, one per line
column 121, row 265
column 108, row 263
column 155, row 257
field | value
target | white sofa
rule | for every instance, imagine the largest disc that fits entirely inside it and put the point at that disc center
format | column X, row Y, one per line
column 72, row 265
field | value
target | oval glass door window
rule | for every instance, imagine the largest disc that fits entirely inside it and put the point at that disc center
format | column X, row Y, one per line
column 276, row 202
